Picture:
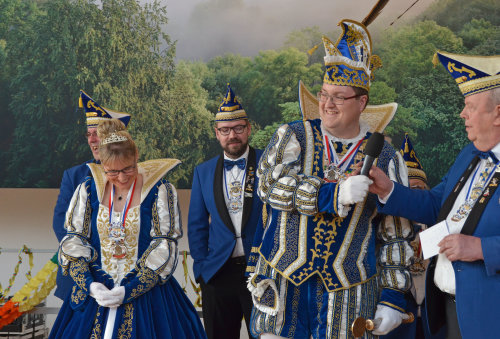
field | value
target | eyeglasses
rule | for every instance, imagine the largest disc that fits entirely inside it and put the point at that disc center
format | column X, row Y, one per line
column 90, row 134
column 127, row 171
column 323, row 97
column 238, row 129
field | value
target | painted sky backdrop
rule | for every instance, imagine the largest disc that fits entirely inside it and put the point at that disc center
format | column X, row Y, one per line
column 207, row 28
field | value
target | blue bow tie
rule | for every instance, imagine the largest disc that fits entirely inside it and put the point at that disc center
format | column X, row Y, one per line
column 228, row 164
column 486, row 155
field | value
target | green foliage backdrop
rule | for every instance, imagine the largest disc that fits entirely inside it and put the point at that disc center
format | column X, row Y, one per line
column 118, row 51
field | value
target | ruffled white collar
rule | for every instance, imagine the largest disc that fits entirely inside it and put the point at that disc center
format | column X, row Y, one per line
column 363, row 129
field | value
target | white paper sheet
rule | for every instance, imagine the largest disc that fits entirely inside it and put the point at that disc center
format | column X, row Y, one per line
column 431, row 237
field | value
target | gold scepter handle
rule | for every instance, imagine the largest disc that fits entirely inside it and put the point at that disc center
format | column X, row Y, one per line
column 360, row 324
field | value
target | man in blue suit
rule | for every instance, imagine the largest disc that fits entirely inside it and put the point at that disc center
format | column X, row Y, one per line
column 463, row 281
column 74, row 175
column 224, row 213
column 417, row 179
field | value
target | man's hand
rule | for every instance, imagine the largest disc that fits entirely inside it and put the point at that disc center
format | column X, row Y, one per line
column 354, row 189
column 382, row 185
column 390, row 319
column 461, row 247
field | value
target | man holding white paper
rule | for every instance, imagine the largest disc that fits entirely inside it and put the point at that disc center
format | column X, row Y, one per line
column 463, row 283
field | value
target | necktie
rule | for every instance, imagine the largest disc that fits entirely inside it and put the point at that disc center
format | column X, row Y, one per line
column 229, row 164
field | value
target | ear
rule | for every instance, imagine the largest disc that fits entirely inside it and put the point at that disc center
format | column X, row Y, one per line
column 216, row 132
column 496, row 114
column 363, row 100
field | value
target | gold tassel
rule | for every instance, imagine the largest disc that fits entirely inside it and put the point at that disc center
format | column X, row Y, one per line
column 80, row 102
column 435, row 59
column 312, row 50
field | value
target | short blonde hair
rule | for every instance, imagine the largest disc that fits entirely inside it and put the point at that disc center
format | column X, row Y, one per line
column 118, row 150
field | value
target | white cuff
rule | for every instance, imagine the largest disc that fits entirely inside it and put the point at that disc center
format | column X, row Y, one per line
column 384, row 200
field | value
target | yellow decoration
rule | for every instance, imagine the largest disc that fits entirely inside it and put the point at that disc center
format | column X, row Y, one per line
column 25, row 250
column 32, row 293
column 197, row 289
column 37, row 289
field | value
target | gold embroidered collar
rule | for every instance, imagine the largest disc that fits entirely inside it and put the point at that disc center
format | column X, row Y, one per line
column 151, row 171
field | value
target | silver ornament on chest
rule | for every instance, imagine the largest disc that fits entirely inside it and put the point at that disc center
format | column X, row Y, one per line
column 333, row 173
column 117, row 236
column 235, row 189
column 235, row 204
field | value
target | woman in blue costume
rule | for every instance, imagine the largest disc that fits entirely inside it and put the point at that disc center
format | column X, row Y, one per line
column 122, row 262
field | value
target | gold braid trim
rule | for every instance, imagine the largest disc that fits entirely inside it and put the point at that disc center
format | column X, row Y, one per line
column 125, row 330
column 78, row 270
column 148, row 279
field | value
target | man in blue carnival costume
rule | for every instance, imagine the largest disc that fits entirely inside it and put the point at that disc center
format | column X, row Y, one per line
column 417, row 179
column 223, row 214
column 73, row 176
column 315, row 270
column 463, row 281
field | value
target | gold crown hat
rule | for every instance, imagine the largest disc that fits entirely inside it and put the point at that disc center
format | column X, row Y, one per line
column 473, row 74
column 95, row 113
column 230, row 109
column 415, row 169
column 376, row 116
column 349, row 62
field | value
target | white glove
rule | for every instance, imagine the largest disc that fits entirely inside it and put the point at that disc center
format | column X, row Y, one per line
column 390, row 319
column 354, row 189
column 98, row 290
column 113, row 298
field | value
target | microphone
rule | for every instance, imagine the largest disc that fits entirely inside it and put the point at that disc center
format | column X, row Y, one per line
column 372, row 150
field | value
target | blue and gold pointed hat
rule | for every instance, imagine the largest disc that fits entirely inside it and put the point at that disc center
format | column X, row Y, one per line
column 230, row 109
column 350, row 62
column 415, row 169
column 95, row 113
column 473, row 74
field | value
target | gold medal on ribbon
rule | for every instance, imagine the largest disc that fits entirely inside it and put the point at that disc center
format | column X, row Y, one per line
column 119, row 249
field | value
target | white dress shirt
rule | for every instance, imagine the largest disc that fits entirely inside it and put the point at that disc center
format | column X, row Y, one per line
column 236, row 174
column 444, row 276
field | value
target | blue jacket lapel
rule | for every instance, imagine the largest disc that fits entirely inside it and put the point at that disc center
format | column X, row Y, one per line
column 220, row 202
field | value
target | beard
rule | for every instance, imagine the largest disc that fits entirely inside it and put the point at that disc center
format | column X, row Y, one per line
column 235, row 148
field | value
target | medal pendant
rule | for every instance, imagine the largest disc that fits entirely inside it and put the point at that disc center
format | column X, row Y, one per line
column 117, row 236
column 116, row 231
column 119, row 250
column 332, row 173
column 476, row 192
column 235, row 206
column 235, row 189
